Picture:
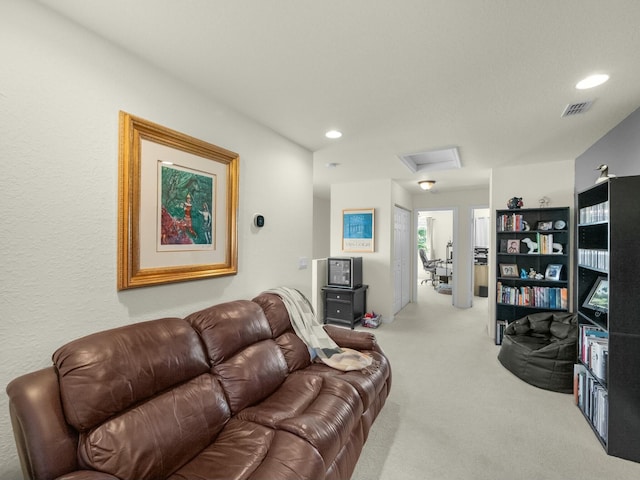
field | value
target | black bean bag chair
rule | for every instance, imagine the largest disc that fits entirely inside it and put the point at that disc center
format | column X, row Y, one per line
column 541, row 349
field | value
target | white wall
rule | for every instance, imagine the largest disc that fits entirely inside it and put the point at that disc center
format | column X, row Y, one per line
column 321, row 227
column 60, row 93
column 377, row 271
column 554, row 180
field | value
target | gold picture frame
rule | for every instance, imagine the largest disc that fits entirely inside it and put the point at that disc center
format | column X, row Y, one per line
column 177, row 206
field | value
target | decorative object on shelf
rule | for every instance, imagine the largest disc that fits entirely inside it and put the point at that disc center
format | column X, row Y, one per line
column 553, row 271
column 544, row 202
column 532, row 273
column 523, row 273
column 525, row 226
column 508, row 270
column 604, row 174
column 533, row 246
column 545, row 225
column 559, row 224
column 514, row 203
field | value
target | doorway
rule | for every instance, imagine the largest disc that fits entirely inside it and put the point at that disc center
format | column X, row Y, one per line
column 435, row 236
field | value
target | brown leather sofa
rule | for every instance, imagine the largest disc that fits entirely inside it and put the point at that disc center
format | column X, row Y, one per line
column 226, row 393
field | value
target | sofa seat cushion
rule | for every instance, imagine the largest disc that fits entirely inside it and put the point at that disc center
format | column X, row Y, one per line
column 246, row 450
column 158, row 436
column 369, row 383
column 320, row 409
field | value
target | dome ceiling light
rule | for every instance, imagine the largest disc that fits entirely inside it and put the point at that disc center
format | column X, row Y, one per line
column 426, row 184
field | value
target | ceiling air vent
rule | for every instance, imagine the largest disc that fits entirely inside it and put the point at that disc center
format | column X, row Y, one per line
column 576, row 108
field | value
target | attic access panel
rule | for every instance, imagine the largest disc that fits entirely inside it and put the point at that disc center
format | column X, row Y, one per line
column 442, row 159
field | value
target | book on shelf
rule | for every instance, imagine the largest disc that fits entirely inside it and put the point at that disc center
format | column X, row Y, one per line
column 593, row 400
column 594, row 350
column 594, row 258
column 513, row 222
column 545, row 243
column 501, row 326
column 595, row 213
column 554, row 298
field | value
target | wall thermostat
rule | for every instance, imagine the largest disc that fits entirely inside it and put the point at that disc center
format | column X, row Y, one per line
column 258, row 220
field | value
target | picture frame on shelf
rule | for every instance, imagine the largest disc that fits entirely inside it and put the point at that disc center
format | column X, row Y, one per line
column 598, row 297
column 544, row 225
column 509, row 270
column 553, row 271
column 513, row 245
column 177, row 206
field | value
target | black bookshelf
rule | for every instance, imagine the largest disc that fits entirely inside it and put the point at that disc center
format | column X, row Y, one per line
column 517, row 296
column 607, row 263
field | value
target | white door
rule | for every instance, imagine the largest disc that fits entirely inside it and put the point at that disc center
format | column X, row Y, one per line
column 402, row 259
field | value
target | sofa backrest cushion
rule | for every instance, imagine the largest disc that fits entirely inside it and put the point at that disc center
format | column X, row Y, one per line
column 157, row 437
column 293, row 348
column 243, row 356
column 105, row 373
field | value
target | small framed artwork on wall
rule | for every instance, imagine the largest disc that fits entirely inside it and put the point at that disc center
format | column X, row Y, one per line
column 358, row 230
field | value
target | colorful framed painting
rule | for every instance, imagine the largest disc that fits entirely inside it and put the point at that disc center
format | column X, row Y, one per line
column 358, row 230
column 177, row 206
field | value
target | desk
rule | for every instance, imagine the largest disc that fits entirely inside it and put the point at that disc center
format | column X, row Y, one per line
column 344, row 305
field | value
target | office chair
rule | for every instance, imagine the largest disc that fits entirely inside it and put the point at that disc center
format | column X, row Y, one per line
column 429, row 266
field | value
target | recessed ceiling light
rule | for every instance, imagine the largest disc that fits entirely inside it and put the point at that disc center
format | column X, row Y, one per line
column 592, row 81
column 333, row 134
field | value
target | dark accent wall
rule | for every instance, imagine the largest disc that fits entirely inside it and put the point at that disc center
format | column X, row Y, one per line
column 620, row 149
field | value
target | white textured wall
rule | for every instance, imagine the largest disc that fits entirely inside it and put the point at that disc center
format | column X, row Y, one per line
column 376, row 266
column 60, row 93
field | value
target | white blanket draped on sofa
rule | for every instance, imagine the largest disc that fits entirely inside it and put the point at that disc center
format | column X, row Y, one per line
column 310, row 330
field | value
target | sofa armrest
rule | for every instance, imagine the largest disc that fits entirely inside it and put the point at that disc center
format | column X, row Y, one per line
column 87, row 475
column 353, row 339
column 46, row 443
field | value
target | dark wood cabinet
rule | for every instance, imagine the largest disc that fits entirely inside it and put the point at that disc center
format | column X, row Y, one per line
column 608, row 305
column 531, row 240
column 344, row 305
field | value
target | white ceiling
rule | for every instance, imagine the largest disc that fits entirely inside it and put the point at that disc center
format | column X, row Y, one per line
column 491, row 77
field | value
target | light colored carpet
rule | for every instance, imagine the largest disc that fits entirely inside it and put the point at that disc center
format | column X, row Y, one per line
column 455, row 413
